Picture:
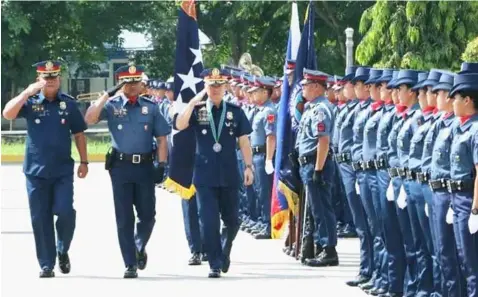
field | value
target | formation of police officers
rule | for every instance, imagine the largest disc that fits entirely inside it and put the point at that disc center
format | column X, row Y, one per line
column 400, row 143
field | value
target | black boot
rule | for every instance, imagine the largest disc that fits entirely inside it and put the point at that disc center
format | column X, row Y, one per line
column 328, row 257
column 64, row 263
column 47, row 272
column 195, row 259
column 307, row 249
column 142, row 258
column 131, row 271
column 214, row 273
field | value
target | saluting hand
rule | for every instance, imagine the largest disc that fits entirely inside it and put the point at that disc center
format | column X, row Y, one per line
column 82, row 170
column 35, row 87
column 248, row 177
column 196, row 99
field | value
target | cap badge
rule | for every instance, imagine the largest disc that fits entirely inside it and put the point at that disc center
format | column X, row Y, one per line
column 49, row 66
column 132, row 69
column 215, row 72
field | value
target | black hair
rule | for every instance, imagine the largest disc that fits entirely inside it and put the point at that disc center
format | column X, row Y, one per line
column 473, row 94
column 269, row 92
column 409, row 87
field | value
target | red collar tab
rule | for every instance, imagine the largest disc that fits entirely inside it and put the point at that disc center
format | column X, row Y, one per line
column 464, row 119
column 377, row 104
column 428, row 109
column 447, row 115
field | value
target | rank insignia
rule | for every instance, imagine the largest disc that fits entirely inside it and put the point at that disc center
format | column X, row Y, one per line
column 271, row 118
column 62, row 105
column 144, row 110
column 229, row 115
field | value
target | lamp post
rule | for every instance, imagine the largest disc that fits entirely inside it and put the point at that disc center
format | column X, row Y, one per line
column 349, row 46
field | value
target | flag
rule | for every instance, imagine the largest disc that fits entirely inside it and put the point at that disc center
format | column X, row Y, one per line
column 187, row 83
column 286, row 182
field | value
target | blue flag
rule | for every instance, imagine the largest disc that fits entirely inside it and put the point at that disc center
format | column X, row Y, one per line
column 187, row 83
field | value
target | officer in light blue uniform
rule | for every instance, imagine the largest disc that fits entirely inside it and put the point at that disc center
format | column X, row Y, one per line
column 463, row 176
column 217, row 126
column 344, row 159
column 421, row 195
column 445, row 239
column 366, row 177
column 132, row 121
column 316, row 162
column 263, row 138
column 389, row 222
column 52, row 117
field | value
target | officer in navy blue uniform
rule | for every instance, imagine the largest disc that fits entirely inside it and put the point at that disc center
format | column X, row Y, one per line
column 263, row 142
column 217, row 126
column 463, row 168
column 52, row 117
column 317, row 168
column 132, row 121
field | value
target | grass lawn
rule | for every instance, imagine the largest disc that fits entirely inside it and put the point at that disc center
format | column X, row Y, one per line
column 17, row 148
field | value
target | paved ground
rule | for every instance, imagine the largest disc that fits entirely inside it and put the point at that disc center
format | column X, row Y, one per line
column 97, row 267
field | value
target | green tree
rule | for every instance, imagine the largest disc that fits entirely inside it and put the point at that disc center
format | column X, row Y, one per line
column 471, row 51
column 416, row 34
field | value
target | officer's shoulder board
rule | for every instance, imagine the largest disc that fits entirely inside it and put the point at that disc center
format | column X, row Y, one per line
column 67, row 97
column 115, row 98
column 147, row 98
column 232, row 105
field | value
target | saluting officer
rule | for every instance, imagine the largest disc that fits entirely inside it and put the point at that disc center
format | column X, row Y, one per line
column 263, row 141
column 51, row 117
column 317, row 166
column 133, row 120
column 217, row 125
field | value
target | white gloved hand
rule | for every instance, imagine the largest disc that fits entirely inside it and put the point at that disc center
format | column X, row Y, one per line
column 357, row 188
column 402, row 198
column 449, row 216
column 269, row 167
column 426, row 210
column 473, row 223
column 390, row 192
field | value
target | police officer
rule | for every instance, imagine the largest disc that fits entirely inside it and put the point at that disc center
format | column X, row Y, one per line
column 132, row 121
column 263, row 142
column 51, row 117
column 464, row 165
column 317, row 166
column 217, row 126
column 276, row 93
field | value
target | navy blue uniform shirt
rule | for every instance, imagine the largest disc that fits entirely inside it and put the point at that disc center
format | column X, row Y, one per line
column 49, row 128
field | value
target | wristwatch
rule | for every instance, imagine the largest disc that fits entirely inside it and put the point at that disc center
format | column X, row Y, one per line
column 474, row 211
column 84, row 162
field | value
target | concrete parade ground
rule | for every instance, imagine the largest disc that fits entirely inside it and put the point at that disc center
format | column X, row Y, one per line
column 258, row 267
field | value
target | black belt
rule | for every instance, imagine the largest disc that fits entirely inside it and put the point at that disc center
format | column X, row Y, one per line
column 411, row 174
column 402, row 172
column 423, row 178
column 455, row 186
column 304, row 160
column 258, row 149
column 134, row 158
column 369, row 165
column 381, row 163
column 438, row 184
column 343, row 158
column 357, row 166
column 393, row 172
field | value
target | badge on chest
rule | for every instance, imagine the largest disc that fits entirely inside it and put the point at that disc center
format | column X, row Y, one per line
column 120, row 112
column 202, row 116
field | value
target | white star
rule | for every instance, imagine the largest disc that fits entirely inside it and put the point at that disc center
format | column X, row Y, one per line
column 198, row 55
column 189, row 81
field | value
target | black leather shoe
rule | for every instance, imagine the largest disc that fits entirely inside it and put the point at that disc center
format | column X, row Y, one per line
column 263, row 235
column 204, row 257
column 47, row 272
column 390, row 294
column 360, row 279
column 376, row 291
column 195, row 259
column 142, row 260
column 318, row 250
column 225, row 264
column 307, row 249
column 347, row 232
column 64, row 263
column 131, row 272
column 286, row 250
column 327, row 258
column 368, row 285
column 214, row 273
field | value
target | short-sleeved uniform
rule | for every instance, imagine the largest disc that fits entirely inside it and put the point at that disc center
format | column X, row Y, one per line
column 216, row 177
column 48, row 168
column 132, row 126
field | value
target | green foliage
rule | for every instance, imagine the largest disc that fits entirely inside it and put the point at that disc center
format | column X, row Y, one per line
column 416, row 34
column 471, row 52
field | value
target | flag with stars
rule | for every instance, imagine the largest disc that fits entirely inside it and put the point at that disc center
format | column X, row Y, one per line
column 187, row 83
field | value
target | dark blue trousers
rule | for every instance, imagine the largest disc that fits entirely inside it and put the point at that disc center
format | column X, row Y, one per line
column 466, row 242
column 133, row 186
column 319, row 199
column 216, row 203
column 263, row 188
column 49, row 197
column 191, row 224
column 447, row 251
column 341, row 205
column 391, row 232
column 360, row 220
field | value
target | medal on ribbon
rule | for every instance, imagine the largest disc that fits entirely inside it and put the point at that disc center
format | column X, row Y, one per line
column 217, row 147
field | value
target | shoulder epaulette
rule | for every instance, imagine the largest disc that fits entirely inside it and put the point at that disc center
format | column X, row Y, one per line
column 66, row 96
column 147, row 98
